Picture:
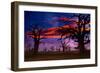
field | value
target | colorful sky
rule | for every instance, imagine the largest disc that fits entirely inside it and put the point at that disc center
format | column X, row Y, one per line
column 45, row 19
column 49, row 21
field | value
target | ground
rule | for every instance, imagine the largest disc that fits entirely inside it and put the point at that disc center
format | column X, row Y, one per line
column 55, row 56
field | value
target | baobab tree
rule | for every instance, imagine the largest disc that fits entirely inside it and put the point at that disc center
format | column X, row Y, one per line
column 80, row 32
column 83, row 31
column 36, row 31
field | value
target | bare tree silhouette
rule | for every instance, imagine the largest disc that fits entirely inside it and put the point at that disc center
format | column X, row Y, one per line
column 65, row 33
column 83, row 27
column 80, row 33
column 36, row 32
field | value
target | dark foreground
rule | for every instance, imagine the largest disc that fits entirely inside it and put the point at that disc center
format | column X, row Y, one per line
column 55, row 56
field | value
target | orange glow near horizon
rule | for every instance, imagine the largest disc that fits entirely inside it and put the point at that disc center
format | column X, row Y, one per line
column 51, row 32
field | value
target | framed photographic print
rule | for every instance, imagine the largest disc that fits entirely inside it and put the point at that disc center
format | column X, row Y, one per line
column 52, row 36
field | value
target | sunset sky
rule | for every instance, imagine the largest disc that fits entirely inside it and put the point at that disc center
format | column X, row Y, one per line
column 49, row 21
column 46, row 19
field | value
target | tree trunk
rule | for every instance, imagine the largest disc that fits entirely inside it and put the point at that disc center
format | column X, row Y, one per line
column 81, row 45
column 36, row 45
column 63, row 48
